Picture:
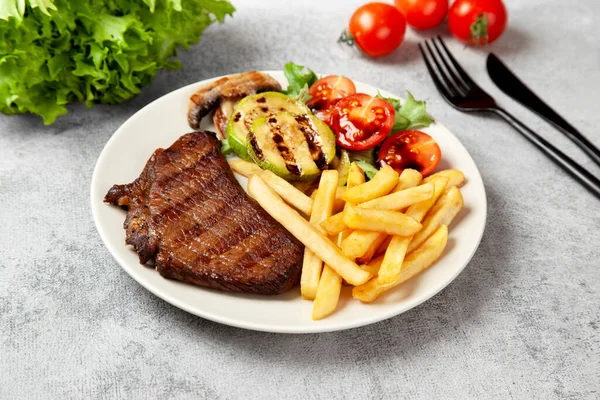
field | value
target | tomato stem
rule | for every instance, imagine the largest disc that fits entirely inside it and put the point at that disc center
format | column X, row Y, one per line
column 479, row 31
column 347, row 38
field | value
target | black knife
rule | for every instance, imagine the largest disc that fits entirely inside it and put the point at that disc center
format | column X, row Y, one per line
column 512, row 86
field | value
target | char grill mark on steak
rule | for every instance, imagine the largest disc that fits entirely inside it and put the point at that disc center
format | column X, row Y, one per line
column 188, row 212
column 235, row 86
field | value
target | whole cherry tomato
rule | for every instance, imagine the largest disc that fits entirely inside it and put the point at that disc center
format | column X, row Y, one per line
column 377, row 29
column 423, row 14
column 477, row 22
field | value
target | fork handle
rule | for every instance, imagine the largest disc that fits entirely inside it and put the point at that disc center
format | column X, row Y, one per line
column 565, row 162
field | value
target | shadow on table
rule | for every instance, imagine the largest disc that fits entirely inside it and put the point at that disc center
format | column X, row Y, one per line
column 445, row 317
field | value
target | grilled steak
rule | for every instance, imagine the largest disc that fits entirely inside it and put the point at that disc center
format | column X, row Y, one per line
column 232, row 87
column 187, row 211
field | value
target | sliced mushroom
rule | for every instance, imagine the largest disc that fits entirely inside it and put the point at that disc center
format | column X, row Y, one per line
column 236, row 86
column 221, row 117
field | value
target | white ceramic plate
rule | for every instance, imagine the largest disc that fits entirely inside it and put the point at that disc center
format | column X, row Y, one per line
column 160, row 123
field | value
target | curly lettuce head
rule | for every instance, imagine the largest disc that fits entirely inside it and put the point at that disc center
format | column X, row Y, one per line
column 54, row 52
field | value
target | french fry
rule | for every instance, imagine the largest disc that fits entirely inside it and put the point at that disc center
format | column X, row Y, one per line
column 245, row 168
column 370, row 252
column 415, row 263
column 339, row 202
column 419, row 210
column 381, row 184
column 391, row 265
column 383, row 246
column 330, row 284
column 408, row 178
column 373, row 266
column 306, row 233
column 356, row 176
column 358, row 243
column 328, row 293
column 454, row 176
column 401, row 199
column 334, row 224
column 390, row 222
column 442, row 213
column 288, row 192
column 322, row 208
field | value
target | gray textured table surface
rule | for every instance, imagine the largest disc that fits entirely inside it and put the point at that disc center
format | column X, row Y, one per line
column 521, row 321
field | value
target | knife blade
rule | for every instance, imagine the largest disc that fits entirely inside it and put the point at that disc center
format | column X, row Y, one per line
column 508, row 82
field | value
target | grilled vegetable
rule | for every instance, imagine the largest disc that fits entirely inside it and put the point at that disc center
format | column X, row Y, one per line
column 296, row 147
column 254, row 107
column 342, row 164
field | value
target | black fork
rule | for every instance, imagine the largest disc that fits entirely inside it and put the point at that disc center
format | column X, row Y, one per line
column 462, row 93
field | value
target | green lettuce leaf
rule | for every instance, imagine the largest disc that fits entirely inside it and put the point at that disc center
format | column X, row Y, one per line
column 54, row 52
column 226, row 148
column 365, row 159
column 414, row 111
column 300, row 79
column 411, row 114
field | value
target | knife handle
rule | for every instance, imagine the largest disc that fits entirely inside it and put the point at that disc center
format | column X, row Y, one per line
column 544, row 111
column 510, row 84
column 561, row 159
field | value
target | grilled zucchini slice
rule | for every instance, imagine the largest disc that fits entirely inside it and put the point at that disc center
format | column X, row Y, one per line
column 296, row 147
column 253, row 107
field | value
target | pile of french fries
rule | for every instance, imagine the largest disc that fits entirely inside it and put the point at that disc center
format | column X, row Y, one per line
column 372, row 235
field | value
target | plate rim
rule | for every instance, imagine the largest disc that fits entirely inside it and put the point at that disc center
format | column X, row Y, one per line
column 266, row 327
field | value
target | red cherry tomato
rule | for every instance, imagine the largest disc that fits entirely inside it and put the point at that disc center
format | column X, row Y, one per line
column 328, row 90
column 477, row 22
column 324, row 114
column 360, row 121
column 410, row 149
column 423, row 14
column 377, row 28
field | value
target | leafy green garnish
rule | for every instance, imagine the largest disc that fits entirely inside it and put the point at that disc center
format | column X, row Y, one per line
column 369, row 169
column 54, row 52
column 411, row 114
column 365, row 160
column 394, row 102
column 414, row 111
column 300, row 79
column 226, row 149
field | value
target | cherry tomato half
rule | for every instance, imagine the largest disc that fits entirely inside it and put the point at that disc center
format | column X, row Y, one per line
column 360, row 121
column 377, row 28
column 477, row 22
column 410, row 149
column 324, row 114
column 328, row 90
column 423, row 14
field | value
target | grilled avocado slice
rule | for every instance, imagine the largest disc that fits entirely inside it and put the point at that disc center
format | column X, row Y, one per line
column 296, row 147
column 257, row 106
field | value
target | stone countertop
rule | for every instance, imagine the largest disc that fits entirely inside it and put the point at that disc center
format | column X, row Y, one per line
column 521, row 321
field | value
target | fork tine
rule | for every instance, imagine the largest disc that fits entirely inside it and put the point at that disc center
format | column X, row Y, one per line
column 456, row 80
column 438, row 84
column 442, row 74
column 463, row 74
